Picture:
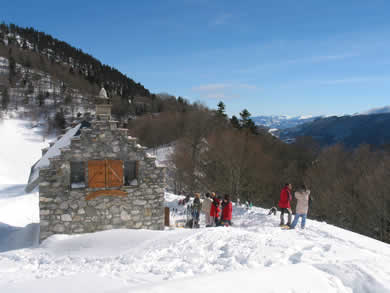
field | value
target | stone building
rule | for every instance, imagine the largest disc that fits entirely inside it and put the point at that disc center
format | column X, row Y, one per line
column 98, row 179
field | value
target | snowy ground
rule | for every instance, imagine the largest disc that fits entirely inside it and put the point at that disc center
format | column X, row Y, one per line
column 253, row 256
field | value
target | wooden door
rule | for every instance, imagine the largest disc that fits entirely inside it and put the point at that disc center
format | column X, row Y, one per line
column 96, row 174
column 114, row 175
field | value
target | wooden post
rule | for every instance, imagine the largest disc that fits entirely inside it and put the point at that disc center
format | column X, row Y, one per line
column 166, row 222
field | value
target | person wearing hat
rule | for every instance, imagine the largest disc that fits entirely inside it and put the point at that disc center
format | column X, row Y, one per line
column 226, row 218
column 214, row 211
column 284, row 204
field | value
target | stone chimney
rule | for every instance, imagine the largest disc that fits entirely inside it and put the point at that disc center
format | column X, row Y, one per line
column 103, row 105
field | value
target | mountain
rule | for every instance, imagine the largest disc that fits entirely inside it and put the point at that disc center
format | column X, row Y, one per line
column 41, row 76
column 282, row 122
column 351, row 131
column 381, row 110
column 27, row 41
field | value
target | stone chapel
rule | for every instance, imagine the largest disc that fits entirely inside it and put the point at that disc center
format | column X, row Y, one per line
column 96, row 177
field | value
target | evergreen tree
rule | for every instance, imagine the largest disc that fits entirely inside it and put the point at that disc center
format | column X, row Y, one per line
column 5, row 99
column 12, row 70
column 59, row 119
column 221, row 110
column 41, row 99
column 235, row 122
column 246, row 122
column 244, row 117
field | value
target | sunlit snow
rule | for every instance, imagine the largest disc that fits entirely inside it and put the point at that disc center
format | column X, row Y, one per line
column 254, row 255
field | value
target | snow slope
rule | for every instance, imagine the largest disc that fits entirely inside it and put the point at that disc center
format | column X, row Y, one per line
column 254, row 255
column 20, row 148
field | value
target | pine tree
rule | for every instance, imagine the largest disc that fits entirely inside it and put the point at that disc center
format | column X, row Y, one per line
column 5, row 99
column 41, row 99
column 244, row 116
column 235, row 122
column 60, row 120
column 221, row 110
column 12, row 70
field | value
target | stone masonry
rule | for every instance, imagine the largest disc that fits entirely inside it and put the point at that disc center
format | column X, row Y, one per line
column 65, row 210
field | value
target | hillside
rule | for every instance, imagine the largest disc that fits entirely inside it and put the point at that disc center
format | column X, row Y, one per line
column 252, row 255
column 41, row 76
column 350, row 131
column 59, row 52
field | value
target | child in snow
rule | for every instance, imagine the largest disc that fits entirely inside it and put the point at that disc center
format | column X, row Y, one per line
column 302, row 196
column 284, row 203
column 226, row 219
column 196, row 207
column 214, row 211
column 206, row 206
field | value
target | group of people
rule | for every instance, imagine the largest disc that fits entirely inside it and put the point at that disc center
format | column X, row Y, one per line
column 217, row 210
column 302, row 196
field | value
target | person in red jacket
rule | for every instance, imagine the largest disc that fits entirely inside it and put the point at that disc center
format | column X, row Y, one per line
column 214, row 211
column 284, row 203
column 226, row 219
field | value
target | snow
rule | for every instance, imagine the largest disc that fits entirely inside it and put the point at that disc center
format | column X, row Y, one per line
column 254, row 255
column 162, row 154
column 54, row 151
column 19, row 150
column 303, row 117
column 78, row 185
column 380, row 110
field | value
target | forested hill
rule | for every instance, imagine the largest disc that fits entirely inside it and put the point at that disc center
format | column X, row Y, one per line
column 350, row 131
column 60, row 52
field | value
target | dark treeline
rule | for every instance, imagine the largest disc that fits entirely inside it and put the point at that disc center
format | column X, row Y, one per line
column 231, row 156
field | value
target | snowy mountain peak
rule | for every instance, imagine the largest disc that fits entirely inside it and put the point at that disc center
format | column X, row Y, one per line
column 283, row 121
column 380, row 110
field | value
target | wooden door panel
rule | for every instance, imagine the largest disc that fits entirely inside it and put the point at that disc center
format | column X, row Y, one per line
column 96, row 174
column 114, row 173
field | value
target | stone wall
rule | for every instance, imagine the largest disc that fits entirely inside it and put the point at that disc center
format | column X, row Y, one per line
column 65, row 210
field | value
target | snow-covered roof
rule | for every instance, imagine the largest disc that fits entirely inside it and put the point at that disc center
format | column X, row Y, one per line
column 53, row 151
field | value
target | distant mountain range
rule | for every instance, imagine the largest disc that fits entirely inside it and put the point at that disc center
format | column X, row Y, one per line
column 351, row 131
column 385, row 109
column 282, row 121
column 369, row 127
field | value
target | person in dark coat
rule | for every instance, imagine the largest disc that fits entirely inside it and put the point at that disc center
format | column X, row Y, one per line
column 196, row 207
column 226, row 219
column 284, row 203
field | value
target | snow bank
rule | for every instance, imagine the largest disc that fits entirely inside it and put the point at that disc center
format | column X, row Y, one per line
column 54, row 151
column 251, row 256
column 254, row 255
column 20, row 148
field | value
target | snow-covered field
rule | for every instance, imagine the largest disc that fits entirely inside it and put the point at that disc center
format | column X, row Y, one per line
column 254, row 255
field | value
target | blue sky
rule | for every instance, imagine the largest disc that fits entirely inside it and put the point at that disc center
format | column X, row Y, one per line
column 271, row 57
